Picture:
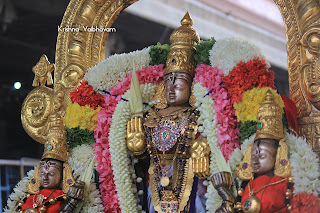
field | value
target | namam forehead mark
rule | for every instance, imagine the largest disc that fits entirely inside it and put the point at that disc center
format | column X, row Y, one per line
column 264, row 147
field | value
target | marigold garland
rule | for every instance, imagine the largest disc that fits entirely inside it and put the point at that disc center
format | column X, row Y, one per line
column 247, row 108
column 81, row 116
column 84, row 94
column 245, row 76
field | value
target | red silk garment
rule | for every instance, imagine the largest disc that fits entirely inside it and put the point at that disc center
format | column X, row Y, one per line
column 52, row 208
column 273, row 197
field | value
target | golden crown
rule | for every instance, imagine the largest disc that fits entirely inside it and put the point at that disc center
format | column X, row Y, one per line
column 183, row 41
column 269, row 120
column 56, row 143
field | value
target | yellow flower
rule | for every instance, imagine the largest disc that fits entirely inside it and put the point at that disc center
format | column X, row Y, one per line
column 81, row 116
column 247, row 108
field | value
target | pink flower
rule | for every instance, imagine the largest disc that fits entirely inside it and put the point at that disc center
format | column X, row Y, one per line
column 104, row 168
column 108, row 190
column 228, row 133
column 152, row 74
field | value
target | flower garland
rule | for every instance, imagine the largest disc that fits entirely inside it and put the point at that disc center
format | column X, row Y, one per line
column 81, row 116
column 104, row 168
column 106, row 179
column 208, row 129
column 244, row 76
column 304, row 161
column 117, row 66
column 305, row 203
column 121, row 165
column 228, row 133
column 227, row 53
column 79, row 161
column 19, row 192
column 85, row 95
column 153, row 74
column 247, row 108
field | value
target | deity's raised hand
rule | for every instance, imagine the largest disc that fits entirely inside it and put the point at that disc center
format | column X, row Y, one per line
column 135, row 136
column 200, row 151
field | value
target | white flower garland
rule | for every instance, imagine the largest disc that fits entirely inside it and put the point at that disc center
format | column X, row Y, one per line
column 227, row 53
column 305, row 165
column 209, row 130
column 304, row 161
column 19, row 192
column 79, row 160
column 115, row 68
column 123, row 171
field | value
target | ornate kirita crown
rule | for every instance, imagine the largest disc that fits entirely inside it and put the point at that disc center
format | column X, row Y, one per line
column 269, row 120
column 56, row 146
column 181, row 55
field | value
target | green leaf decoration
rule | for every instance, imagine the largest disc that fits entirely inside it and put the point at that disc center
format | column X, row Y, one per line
column 159, row 54
column 77, row 137
column 202, row 51
column 247, row 129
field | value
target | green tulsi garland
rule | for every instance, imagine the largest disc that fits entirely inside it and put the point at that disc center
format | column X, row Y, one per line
column 247, row 129
column 202, row 51
column 159, row 54
column 77, row 137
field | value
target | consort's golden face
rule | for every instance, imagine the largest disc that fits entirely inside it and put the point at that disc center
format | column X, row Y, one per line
column 50, row 176
column 263, row 157
column 178, row 89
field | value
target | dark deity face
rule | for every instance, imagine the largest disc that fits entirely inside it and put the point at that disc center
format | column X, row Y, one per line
column 178, row 89
column 263, row 156
column 50, row 173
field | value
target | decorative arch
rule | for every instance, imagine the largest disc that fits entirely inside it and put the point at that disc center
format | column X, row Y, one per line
column 302, row 25
column 77, row 51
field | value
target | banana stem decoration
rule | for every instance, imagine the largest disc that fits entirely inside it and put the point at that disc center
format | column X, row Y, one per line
column 223, row 166
column 135, row 101
column 87, row 179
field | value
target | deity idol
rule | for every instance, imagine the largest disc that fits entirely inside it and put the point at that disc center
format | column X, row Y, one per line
column 266, row 165
column 168, row 133
column 52, row 187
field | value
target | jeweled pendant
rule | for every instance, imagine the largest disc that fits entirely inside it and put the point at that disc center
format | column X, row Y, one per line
column 31, row 210
column 251, row 205
column 169, row 203
column 164, row 181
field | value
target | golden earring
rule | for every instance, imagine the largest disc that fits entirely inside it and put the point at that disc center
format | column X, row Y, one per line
column 34, row 185
column 67, row 180
column 244, row 170
column 282, row 166
column 160, row 96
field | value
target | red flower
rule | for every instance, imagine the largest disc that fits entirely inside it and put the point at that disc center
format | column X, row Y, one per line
column 245, row 76
column 304, row 202
column 84, row 94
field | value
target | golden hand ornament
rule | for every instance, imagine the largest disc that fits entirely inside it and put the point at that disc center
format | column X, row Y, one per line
column 200, row 151
column 135, row 136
